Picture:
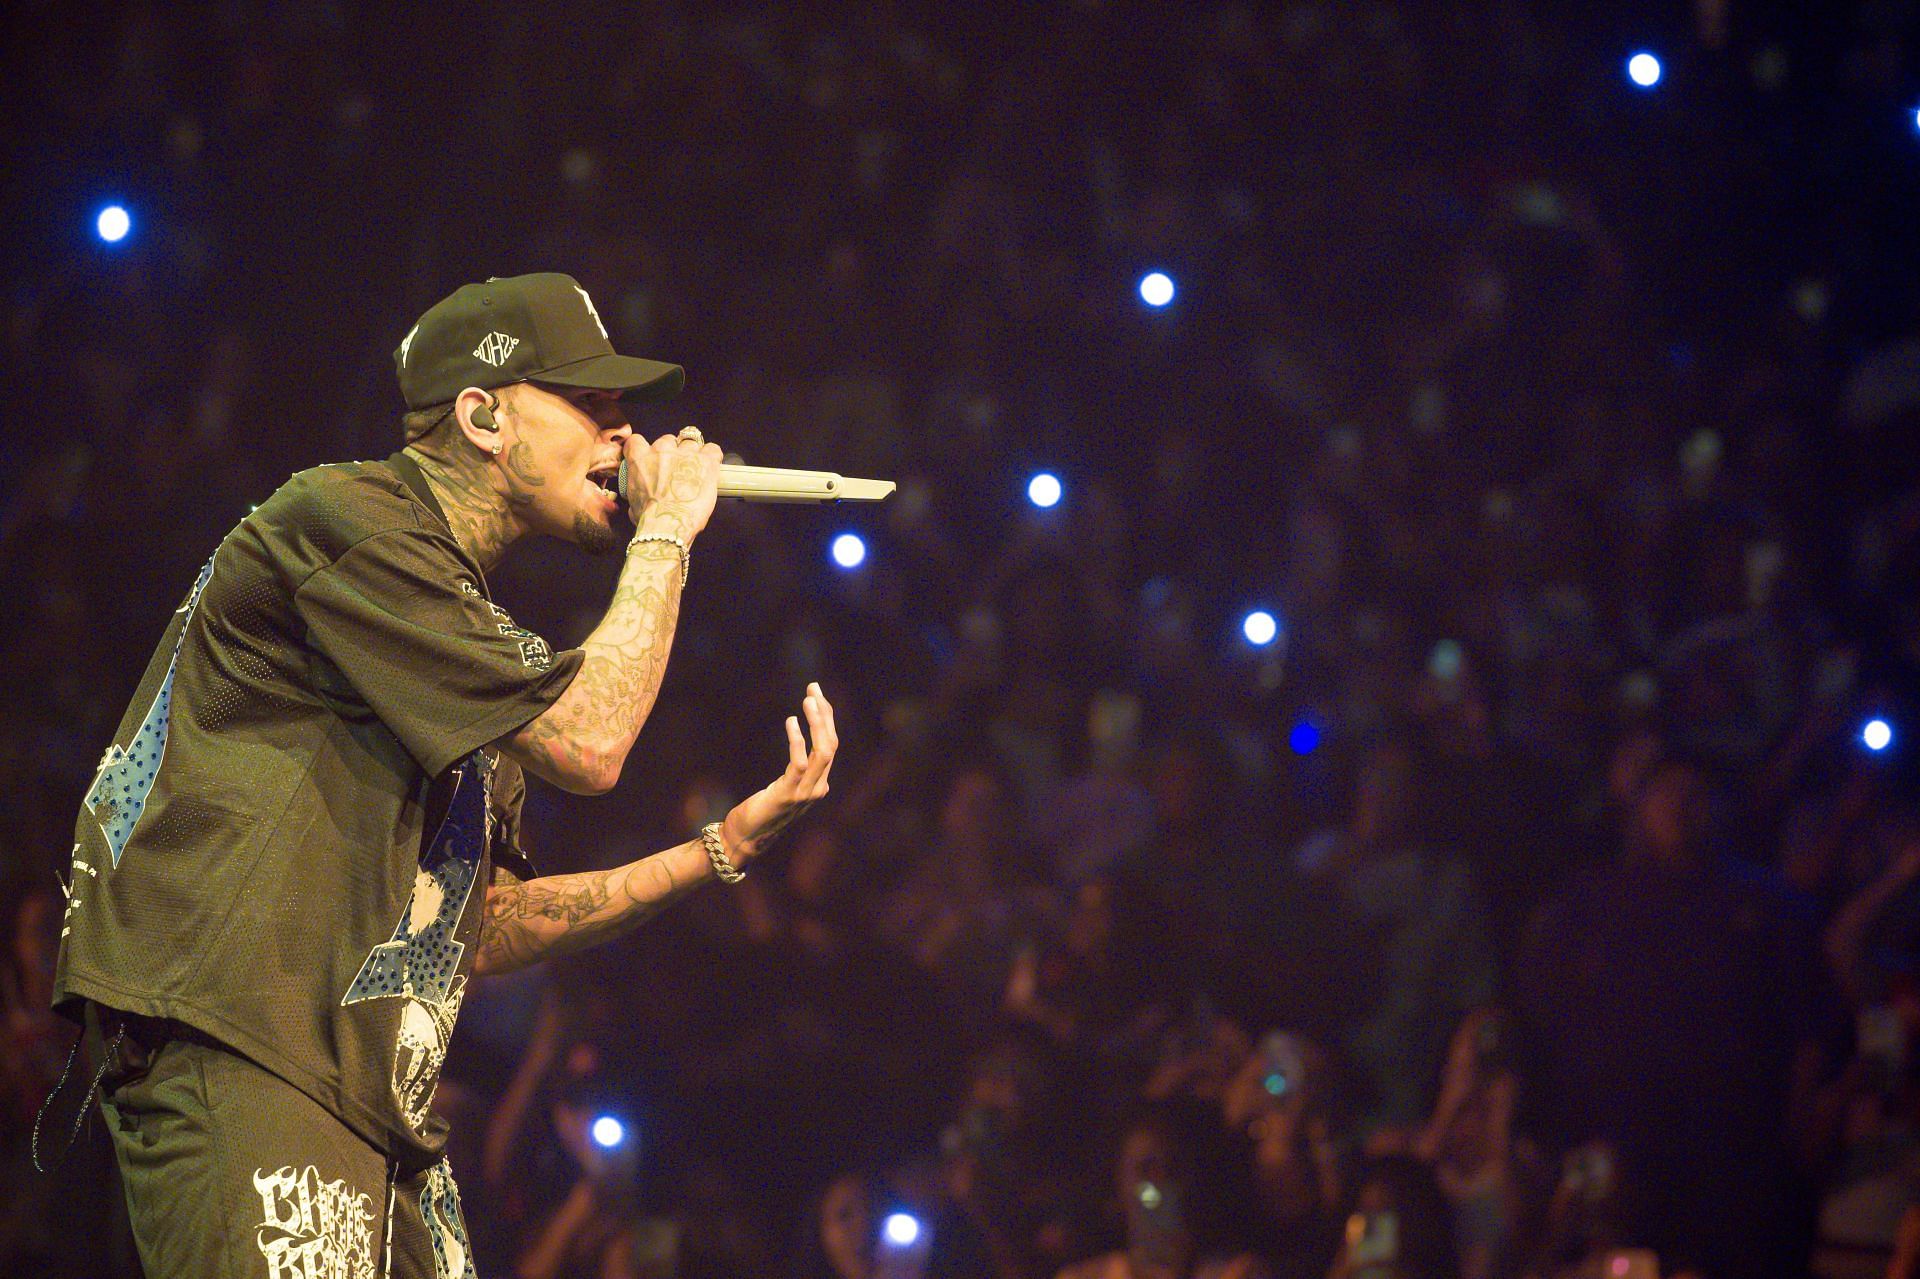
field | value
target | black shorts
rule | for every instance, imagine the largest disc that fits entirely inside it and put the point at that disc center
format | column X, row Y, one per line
column 230, row 1171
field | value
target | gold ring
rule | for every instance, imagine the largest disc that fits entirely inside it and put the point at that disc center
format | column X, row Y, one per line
column 691, row 433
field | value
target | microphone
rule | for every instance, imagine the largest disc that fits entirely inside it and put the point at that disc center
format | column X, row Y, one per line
column 778, row 484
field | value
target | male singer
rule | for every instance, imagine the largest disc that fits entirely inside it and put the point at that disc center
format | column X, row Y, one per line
column 304, row 838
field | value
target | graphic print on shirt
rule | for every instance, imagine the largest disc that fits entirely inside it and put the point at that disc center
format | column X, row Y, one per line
column 311, row 1227
column 446, row 1225
column 72, row 888
column 420, row 965
column 534, row 652
column 125, row 776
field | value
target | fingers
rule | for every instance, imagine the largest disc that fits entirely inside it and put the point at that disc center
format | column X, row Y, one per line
column 825, row 740
column 805, row 778
column 680, row 474
column 831, row 733
column 796, row 747
column 808, row 766
column 691, row 445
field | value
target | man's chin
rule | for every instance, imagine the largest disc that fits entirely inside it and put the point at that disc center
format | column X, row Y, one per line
column 594, row 537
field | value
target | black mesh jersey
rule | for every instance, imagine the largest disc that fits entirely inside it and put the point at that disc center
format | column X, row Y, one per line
column 288, row 843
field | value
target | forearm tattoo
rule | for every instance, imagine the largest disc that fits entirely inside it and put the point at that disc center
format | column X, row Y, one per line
column 526, row 921
column 588, row 731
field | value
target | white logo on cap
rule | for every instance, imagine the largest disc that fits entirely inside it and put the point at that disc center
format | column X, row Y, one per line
column 495, row 348
column 406, row 344
column 590, row 311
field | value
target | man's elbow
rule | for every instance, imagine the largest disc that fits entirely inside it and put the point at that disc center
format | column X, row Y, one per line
column 579, row 768
column 592, row 772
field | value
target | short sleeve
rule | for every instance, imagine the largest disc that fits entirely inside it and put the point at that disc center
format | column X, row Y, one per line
column 442, row 666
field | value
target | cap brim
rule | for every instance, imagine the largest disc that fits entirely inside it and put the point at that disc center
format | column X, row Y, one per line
column 634, row 379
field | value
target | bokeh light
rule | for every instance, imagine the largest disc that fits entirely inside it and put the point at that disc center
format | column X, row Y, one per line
column 1156, row 288
column 1304, row 737
column 1044, row 489
column 1260, row 627
column 113, row 223
column 608, row 1132
column 901, row 1229
column 849, row 551
column 1876, row 735
column 1644, row 70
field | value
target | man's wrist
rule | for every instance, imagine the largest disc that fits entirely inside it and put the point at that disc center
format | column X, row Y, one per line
column 741, row 849
column 663, row 547
column 665, row 520
column 724, row 859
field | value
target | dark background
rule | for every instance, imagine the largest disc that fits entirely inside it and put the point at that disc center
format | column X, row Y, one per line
column 1567, row 428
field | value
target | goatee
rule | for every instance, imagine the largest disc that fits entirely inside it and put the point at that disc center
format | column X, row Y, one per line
column 596, row 537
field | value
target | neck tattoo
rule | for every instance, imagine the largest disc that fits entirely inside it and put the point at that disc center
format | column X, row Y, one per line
column 476, row 511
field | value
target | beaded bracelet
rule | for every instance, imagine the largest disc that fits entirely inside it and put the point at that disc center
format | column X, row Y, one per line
column 686, row 554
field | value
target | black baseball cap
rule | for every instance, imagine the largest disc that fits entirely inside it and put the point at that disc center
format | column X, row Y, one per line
column 521, row 328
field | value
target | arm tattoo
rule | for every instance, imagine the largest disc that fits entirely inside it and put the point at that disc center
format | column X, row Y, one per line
column 589, row 729
column 582, row 739
column 527, row 921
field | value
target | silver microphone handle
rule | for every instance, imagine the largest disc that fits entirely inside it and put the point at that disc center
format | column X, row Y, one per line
column 781, row 484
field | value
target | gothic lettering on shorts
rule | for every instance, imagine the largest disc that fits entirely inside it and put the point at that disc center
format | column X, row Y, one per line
column 313, row 1229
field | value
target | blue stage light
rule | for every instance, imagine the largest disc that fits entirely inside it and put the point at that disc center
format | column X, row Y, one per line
column 1304, row 737
column 608, row 1132
column 1876, row 735
column 1260, row 628
column 1156, row 288
column 113, row 224
column 901, row 1229
column 849, row 551
column 1644, row 70
column 1043, row 490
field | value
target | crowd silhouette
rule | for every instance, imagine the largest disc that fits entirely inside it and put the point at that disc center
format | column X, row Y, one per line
column 1530, row 907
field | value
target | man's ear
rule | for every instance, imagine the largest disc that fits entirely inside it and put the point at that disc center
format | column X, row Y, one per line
column 477, row 412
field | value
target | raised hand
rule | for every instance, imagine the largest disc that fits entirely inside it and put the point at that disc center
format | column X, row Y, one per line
column 760, row 816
